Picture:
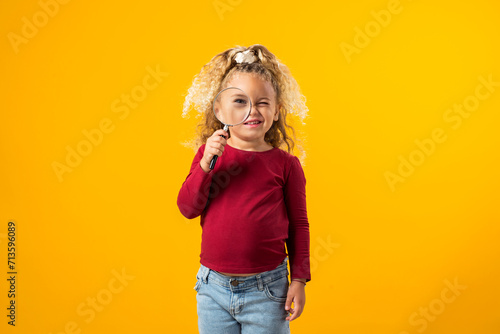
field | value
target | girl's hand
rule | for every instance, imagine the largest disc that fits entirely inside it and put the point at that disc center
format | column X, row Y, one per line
column 214, row 146
column 297, row 294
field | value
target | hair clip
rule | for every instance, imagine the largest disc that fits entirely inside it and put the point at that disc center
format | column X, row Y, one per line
column 247, row 56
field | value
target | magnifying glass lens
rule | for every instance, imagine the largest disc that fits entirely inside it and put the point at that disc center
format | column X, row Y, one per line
column 232, row 106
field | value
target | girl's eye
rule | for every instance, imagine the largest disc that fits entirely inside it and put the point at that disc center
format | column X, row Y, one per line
column 263, row 103
column 240, row 101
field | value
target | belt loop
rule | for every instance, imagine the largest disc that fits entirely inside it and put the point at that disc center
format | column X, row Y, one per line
column 204, row 274
column 260, row 284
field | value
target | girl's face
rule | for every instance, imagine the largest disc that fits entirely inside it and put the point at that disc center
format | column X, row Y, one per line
column 264, row 109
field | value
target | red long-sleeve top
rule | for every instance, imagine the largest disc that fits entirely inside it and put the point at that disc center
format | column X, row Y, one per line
column 251, row 205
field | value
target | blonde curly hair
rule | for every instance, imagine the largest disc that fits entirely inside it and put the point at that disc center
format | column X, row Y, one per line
column 215, row 75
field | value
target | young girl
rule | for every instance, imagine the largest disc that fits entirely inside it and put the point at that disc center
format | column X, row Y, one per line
column 252, row 203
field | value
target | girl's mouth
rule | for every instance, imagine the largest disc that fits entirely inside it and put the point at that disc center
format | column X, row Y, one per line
column 253, row 124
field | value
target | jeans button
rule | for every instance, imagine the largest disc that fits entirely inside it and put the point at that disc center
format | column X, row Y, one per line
column 234, row 283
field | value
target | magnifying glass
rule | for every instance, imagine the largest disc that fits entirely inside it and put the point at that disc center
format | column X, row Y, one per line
column 231, row 107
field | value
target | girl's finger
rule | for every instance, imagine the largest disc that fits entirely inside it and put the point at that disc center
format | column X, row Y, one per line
column 215, row 148
column 220, row 132
column 218, row 139
column 215, row 151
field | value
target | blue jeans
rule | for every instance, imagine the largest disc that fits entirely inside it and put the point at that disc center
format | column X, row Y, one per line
column 247, row 305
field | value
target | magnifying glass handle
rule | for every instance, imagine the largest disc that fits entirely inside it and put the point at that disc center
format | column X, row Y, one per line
column 213, row 161
column 214, row 158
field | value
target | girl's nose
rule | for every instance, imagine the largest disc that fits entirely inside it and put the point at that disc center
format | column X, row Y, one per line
column 254, row 109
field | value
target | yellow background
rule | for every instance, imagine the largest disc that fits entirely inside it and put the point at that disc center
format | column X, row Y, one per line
column 381, row 255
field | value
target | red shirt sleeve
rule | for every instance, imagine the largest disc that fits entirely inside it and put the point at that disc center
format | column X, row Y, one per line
column 298, row 230
column 193, row 195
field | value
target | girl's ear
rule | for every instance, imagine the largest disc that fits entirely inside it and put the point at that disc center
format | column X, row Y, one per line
column 277, row 113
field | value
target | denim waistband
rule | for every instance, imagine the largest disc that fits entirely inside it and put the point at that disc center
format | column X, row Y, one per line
column 244, row 282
